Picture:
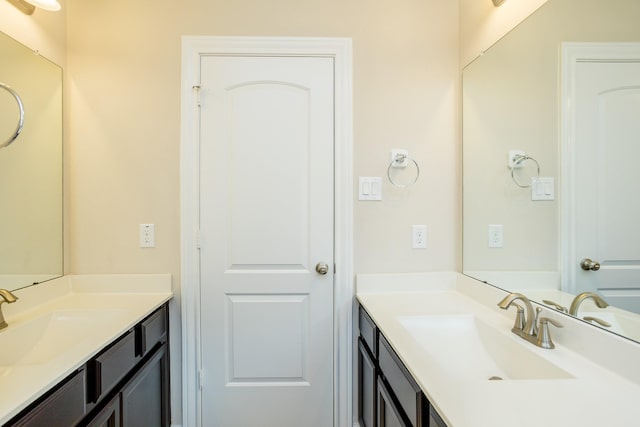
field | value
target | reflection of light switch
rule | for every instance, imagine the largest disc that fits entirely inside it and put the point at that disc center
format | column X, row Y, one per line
column 542, row 188
column 370, row 188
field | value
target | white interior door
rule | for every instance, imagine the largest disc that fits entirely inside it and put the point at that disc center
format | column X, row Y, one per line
column 266, row 221
column 606, row 184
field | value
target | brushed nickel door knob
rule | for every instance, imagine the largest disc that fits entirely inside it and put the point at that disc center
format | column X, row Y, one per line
column 322, row 268
column 589, row 265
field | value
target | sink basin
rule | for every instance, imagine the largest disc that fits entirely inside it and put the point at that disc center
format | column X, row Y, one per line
column 465, row 348
column 43, row 338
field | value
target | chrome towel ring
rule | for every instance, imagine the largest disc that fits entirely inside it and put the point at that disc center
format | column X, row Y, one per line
column 518, row 159
column 20, row 120
column 396, row 162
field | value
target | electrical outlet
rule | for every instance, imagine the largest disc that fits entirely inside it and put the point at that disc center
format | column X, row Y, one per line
column 496, row 237
column 147, row 236
column 419, row 236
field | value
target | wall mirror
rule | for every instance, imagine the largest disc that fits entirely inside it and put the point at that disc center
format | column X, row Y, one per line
column 519, row 97
column 31, row 236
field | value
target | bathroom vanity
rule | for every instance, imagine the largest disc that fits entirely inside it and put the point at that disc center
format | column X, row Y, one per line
column 435, row 350
column 388, row 394
column 87, row 350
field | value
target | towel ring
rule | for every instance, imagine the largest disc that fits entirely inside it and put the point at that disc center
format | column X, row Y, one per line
column 399, row 159
column 519, row 159
column 20, row 120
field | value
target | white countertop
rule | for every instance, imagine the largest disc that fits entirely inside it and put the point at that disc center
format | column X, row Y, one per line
column 595, row 396
column 127, row 298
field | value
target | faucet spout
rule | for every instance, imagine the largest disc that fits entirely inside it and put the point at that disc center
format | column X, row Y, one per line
column 530, row 315
column 8, row 297
column 597, row 299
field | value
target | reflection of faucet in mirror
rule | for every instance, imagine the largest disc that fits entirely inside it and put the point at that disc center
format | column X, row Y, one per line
column 597, row 320
column 575, row 304
column 530, row 332
column 7, row 297
column 556, row 305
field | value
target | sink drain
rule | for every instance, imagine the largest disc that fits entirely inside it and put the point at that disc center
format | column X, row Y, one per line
column 495, row 378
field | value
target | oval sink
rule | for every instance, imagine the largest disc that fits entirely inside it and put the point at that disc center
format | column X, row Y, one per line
column 466, row 348
column 45, row 337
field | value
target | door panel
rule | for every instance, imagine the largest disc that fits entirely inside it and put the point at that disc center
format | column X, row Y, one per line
column 266, row 220
column 607, row 107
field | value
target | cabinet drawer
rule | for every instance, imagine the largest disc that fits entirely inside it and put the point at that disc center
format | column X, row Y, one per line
column 64, row 407
column 111, row 366
column 368, row 331
column 151, row 331
column 405, row 389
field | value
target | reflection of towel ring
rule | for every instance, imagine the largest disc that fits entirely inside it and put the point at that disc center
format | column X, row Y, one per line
column 395, row 163
column 20, row 120
column 519, row 159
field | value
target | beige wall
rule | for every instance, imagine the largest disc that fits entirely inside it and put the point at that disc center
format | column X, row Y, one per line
column 43, row 31
column 482, row 24
column 124, row 81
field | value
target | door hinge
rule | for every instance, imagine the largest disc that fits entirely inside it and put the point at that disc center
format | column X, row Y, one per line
column 200, row 380
column 198, row 239
column 196, row 88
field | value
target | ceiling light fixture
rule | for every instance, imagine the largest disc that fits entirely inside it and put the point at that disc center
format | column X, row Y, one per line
column 28, row 6
column 497, row 3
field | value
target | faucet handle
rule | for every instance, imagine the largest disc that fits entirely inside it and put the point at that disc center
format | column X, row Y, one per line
column 555, row 305
column 544, row 337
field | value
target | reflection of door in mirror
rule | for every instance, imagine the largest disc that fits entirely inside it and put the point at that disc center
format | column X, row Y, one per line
column 602, row 152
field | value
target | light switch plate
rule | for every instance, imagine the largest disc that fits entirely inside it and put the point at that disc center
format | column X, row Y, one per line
column 370, row 188
column 542, row 188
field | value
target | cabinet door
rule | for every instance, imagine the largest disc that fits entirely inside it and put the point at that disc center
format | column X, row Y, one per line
column 109, row 416
column 366, row 387
column 63, row 407
column 145, row 398
column 111, row 366
column 388, row 413
column 434, row 419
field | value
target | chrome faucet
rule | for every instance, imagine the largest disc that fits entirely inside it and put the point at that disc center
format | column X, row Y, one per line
column 7, row 297
column 575, row 304
column 526, row 325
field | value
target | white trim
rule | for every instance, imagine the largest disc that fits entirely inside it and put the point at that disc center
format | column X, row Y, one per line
column 193, row 47
column 572, row 54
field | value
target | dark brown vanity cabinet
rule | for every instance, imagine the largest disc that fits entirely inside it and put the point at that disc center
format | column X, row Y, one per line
column 388, row 396
column 125, row 385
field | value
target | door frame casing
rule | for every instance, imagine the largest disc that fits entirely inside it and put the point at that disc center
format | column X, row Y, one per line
column 572, row 54
column 340, row 49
